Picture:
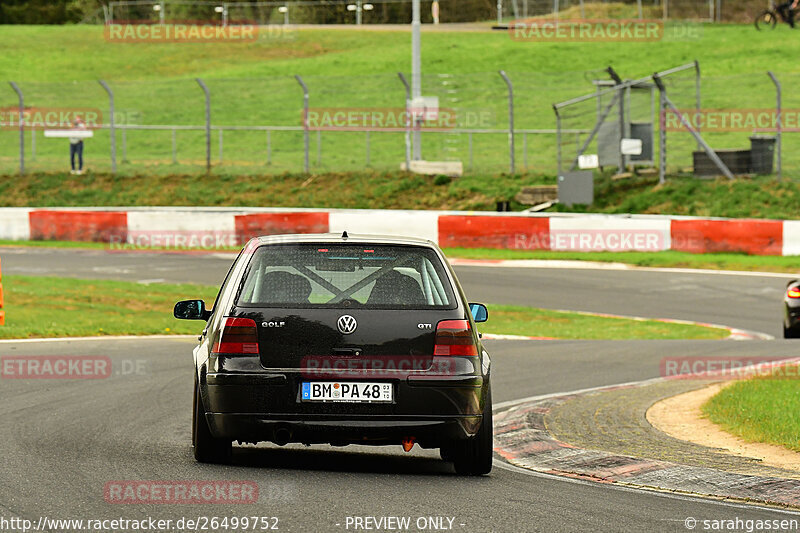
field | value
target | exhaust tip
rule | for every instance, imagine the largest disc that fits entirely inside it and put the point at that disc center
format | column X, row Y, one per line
column 282, row 436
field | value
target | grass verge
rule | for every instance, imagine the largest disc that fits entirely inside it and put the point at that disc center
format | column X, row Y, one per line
column 761, row 409
column 65, row 307
column 758, row 197
column 529, row 321
column 353, row 190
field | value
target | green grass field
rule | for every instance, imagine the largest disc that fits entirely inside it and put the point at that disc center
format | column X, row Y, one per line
column 762, row 409
column 517, row 320
column 353, row 190
column 252, row 84
column 62, row 307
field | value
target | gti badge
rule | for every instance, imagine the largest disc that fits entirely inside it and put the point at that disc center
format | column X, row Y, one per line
column 346, row 324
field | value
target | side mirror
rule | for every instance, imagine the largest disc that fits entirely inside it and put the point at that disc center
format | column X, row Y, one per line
column 191, row 310
column 479, row 312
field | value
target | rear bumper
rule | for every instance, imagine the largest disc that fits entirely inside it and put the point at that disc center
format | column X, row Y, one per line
column 429, row 432
column 256, row 407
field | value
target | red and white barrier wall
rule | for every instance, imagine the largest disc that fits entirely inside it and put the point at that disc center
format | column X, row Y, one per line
column 212, row 227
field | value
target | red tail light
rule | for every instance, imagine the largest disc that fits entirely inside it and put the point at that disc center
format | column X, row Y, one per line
column 454, row 337
column 239, row 336
column 793, row 292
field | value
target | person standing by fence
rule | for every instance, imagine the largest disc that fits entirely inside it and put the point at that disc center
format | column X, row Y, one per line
column 76, row 146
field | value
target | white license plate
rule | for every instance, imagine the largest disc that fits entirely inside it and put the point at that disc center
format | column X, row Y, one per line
column 337, row 391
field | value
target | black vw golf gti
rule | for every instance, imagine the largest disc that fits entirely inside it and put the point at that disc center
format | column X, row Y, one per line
column 343, row 340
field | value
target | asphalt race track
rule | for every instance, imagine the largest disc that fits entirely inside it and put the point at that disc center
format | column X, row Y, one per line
column 62, row 441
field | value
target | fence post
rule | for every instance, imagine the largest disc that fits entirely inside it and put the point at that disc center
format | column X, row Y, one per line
column 408, row 120
column 558, row 137
column 639, row 6
column 112, row 132
column 21, row 126
column 779, row 132
column 220, row 143
column 662, row 137
column 698, row 105
column 499, row 12
column 510, row 119
column 305, row 121
column 208, row 122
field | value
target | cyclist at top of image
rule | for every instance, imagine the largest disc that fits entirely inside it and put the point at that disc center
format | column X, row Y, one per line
column 787, row 9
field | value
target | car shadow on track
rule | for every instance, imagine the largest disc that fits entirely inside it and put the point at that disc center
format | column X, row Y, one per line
column 335, row 460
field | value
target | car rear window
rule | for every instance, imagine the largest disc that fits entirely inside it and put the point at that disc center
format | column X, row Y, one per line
column 336, row 275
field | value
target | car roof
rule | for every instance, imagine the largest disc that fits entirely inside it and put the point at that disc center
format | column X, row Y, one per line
column 343, row 238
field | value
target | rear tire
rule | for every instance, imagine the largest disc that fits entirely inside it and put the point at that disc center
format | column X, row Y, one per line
column 766, row 20
column 473, row 457
column 207, row 449
column 791, row 332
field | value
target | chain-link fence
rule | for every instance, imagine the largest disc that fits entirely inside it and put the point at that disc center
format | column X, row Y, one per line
column 259, row 125
column 678, row 10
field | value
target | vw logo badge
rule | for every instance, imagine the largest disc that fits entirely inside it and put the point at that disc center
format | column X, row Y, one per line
column 346, row 324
